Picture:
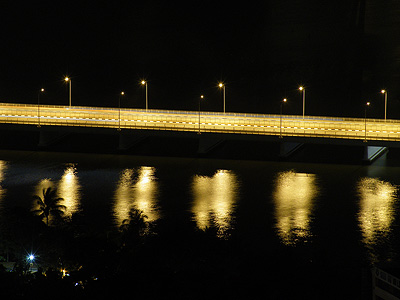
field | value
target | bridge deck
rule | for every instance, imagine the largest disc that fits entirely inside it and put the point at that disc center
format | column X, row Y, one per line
column 194, row 121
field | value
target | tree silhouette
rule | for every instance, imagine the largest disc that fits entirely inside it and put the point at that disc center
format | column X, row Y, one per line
column 134, row 228
column 49, row 205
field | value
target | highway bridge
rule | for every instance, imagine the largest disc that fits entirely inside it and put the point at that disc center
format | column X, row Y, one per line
column 378, row 132
column 199, row 121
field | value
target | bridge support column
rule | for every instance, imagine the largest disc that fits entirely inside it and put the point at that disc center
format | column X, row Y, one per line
column 207, row 144
column 126, row 141
column 288, row 148
column 371, row 153
column 47, row 138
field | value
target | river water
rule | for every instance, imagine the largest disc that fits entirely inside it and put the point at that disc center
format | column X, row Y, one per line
column 344, row 213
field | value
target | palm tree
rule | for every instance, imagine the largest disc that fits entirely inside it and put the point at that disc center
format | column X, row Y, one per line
column 134, row 228
column 49, row 204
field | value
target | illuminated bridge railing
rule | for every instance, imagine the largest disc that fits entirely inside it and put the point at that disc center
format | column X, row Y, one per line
column 232, row 123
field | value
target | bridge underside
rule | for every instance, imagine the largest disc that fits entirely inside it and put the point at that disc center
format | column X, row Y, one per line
column 191, row 144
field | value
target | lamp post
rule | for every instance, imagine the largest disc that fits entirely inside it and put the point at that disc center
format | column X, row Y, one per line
column 221, row 85
column 119, row 110
column 365, row 120
column 201, row 97
column 303, row 90
column 280, row 126
column 144, row 82
column 385, row 93
column 67, row 79
column 38, row 105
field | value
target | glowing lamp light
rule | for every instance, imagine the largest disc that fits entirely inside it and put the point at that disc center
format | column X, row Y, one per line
column 301, row 88
column 66, row 78
column 31, row 257
column 383, row 91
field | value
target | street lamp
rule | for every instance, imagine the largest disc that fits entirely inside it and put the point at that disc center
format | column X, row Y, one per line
column 221, row 85
column 201, row 97
column 38, row 107
column 303, row 90
column 119, row 110
column 144, row 82
column 67, row 79
column 280, row 127
column 385, row 93
column 365, row 120
column 30, row 257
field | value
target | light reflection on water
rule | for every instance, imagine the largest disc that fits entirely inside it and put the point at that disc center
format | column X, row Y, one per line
column 293, row 195
column 215, row 200
column 68, row 188
column 3, row 168
column 376, row 214
column 136, row 189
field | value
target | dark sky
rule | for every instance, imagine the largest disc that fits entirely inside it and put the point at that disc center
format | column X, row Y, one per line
column 263, row 50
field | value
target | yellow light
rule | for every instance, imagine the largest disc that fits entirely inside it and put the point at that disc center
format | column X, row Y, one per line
column 69, row 189
column 122, row 93
column 221, row 85
column 294, row 200
column 42, row 90
column 377, row 210
column 136, row 189
column 383, row 91
column 143, row 82
column 215, row 200
column 201, row 96
column 368, row 103
column 66, row 79
column 284, row 100
column 301, row 88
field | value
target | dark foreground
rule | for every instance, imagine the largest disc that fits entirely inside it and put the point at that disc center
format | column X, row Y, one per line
column 159, row 262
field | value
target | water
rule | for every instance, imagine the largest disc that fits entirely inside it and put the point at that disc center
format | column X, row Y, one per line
column 339, row 216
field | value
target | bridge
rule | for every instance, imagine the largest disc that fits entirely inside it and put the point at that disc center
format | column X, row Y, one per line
column 375, row 134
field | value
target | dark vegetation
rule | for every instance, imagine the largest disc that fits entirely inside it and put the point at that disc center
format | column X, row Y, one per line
column 159, row 261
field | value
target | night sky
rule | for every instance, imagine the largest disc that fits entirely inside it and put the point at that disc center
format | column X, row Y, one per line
column 262, row 50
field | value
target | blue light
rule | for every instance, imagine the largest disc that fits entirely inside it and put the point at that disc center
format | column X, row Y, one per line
column 31, row 257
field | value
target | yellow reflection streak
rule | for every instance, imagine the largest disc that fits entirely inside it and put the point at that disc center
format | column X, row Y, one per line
column 140, row 194
column 214, row 200
column 69, row 189
column 376, row 208
column 3, row 168
column 294, row 194
column 42, row 184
